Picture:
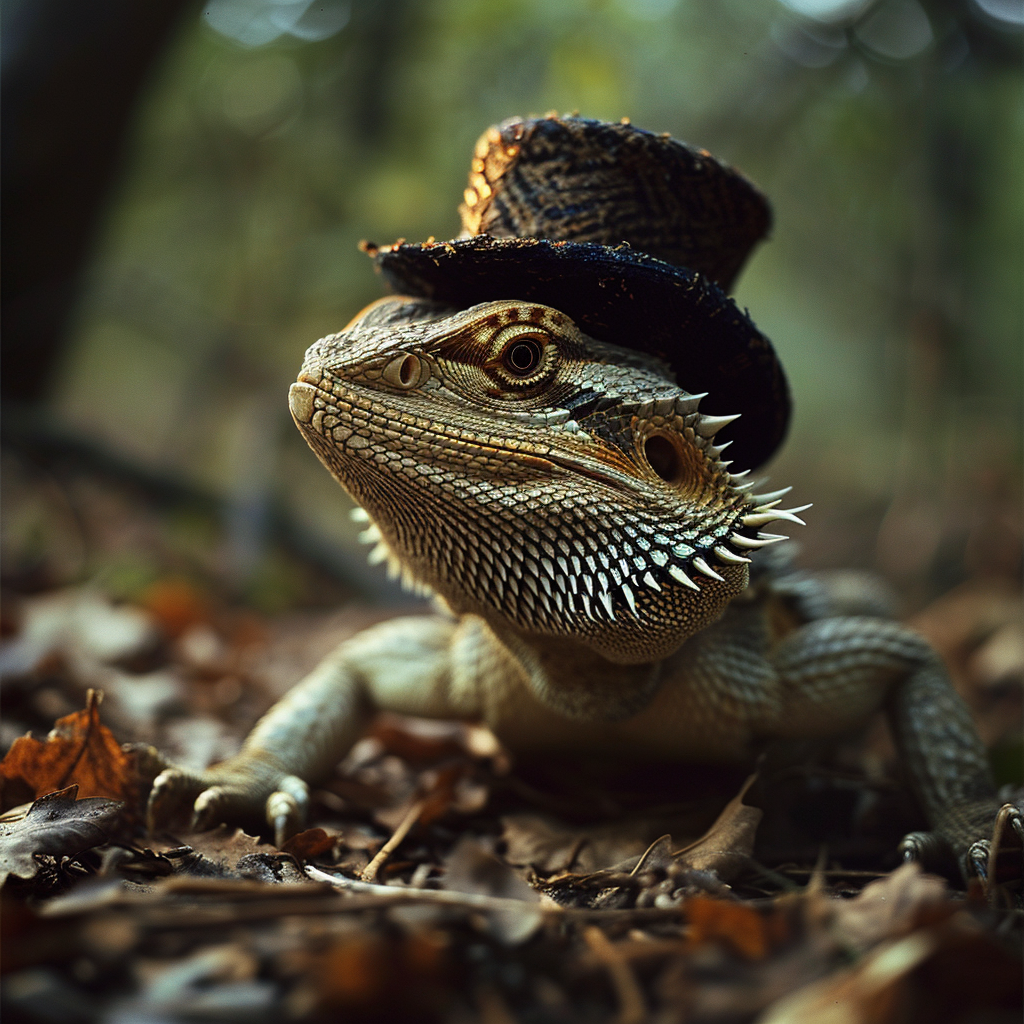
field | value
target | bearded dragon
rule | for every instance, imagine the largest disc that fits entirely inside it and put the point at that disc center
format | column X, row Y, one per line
column 597, row 568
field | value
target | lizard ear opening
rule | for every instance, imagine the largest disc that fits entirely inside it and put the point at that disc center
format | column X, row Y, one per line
column 663, row 458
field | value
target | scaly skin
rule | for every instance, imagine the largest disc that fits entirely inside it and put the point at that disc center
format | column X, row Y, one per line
column 566, row 502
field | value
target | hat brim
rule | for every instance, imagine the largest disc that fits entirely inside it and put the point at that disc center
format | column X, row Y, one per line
column 626, row 298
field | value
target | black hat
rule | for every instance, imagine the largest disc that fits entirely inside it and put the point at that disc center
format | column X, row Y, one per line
column 634, row 236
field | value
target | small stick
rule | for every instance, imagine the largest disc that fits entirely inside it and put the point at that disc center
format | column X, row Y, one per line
column 369, row 873
column 632, row 1009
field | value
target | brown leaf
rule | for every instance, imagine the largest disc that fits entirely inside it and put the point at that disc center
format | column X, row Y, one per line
column 426, row 741
column 740, row 926
column 726, row 847
column 890, row 907
column 79, row 751
column 472, row 868
column 176, row 605
column 57, row 825
column 225, row 845
column 312, row 843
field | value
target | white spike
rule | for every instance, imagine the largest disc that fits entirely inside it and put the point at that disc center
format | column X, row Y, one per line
column 729, row 556
column 761, row 499
column 760, row 518
column 689, row 403
column 371, row 535
column 701, row 566
column 378, row 554
column 359, row 515
column 651, row 581
column 627, row 590
column 586, row 607
column 708, row 426
column 715, row 452
column 677, row 574
column 762, row 541
column 739, row 476
column 606, row 600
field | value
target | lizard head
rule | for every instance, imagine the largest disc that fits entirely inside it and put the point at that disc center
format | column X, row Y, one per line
column 525, row 472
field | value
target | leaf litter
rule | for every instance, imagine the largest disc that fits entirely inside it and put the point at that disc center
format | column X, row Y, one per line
column 440, row 881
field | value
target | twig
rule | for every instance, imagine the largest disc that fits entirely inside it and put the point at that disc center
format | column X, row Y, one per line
column 369, row 873
column 389, row 894
column 632, row 1009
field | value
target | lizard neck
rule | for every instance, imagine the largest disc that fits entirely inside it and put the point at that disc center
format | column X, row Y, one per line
column 574, row 680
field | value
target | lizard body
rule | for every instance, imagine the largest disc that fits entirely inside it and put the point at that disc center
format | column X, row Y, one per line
column 570, row 507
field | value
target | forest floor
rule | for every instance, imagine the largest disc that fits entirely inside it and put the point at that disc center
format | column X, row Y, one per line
column 439, row 880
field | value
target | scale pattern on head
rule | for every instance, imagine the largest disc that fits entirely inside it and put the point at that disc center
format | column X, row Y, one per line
column 528, row 473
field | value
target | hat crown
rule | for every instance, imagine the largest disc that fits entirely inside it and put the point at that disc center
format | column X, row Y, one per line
column 575, row 179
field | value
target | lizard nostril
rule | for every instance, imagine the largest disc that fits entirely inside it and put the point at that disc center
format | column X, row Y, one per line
column 663, row 458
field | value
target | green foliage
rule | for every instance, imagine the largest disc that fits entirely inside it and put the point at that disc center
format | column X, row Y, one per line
column 254, row 173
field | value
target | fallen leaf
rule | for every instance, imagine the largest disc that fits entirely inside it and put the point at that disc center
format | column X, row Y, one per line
column 472, row 868
column 738, row 925
column 220, row 849
column 176, row 605
column 888, row 908
column 727, row 846
column 81, row 625
column 57, row 825
column 79, row 751
column 314, row 842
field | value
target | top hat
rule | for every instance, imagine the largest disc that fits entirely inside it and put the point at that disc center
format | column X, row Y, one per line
column 635, row 236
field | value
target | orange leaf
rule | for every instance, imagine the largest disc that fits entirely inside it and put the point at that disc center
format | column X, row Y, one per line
column 176, row 604
column 79, row 751
column 741, row 927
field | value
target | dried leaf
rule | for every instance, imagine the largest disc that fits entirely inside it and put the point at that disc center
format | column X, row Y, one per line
column 726, row 847
column 79, row 751
column 870, row 993
column 738, row 925
column 57, row 825
column 225, row 846
column 312, row 843
column 176, row 605
column 888, row 908
column 474, row 869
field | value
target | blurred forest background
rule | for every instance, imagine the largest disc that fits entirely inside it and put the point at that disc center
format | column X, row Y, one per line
column 179, row 230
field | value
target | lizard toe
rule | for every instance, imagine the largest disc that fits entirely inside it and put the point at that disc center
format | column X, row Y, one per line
column 173, row 791
column 286, row 808
column 929, row 849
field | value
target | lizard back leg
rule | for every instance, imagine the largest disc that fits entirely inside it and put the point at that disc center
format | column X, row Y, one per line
column 833, row 672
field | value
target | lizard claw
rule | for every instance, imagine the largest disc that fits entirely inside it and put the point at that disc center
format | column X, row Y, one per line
column 172, row 790
column 976, row 860
column 229, row 792
column 929, row 849
column 286, row 808
column 1000, row 859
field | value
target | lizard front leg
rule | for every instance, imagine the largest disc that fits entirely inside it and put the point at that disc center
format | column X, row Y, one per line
column 833, row 672
column 403, row 665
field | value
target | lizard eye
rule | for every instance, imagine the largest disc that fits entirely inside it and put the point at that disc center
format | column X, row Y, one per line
column 406, row 371
column 522, row 357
